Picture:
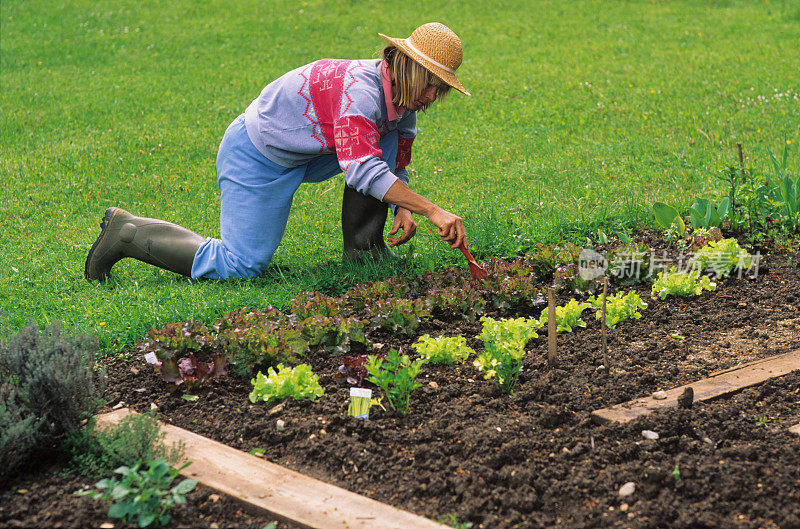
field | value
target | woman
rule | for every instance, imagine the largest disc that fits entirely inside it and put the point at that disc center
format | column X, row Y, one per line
column 327, row 117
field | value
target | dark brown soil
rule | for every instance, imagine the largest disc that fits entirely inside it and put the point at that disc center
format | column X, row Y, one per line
column 535, row 459
column 45, row 499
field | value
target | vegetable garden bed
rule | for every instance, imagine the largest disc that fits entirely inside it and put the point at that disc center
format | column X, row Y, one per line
column 470, row 453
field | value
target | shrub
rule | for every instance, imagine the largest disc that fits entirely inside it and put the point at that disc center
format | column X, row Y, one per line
column 136, row 439
column 48, row 387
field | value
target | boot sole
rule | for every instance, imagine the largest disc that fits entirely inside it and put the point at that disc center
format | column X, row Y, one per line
column 103, row 225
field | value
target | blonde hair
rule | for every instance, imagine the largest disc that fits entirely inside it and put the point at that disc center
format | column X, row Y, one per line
column 410, row 78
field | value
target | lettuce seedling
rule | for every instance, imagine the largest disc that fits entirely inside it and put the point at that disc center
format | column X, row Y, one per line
column 721, row 257
column 683, row 284
column 298, row 382
column 395, row 375
column 567, row 317
column 443, row 350
column 504, row 345
column 619, row 307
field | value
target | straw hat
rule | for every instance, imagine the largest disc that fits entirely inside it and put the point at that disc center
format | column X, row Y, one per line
column 435, row 47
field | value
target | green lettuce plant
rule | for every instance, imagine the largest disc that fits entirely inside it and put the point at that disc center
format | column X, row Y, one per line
column 619, row 307
column 568, row 316
column 143, row 494
column 298, row 382
column 722, row 257
column 443, row 350
column 395, row 374
column 683, row 284
column 504, row 345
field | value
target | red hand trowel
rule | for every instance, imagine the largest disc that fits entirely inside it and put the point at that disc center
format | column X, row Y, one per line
column 478, row 272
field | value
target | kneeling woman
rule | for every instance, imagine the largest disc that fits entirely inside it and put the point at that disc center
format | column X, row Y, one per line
column 330, row 116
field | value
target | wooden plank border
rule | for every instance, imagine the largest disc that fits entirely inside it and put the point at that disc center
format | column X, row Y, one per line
column 277, row 491
column 724, row 383
column 795, row 429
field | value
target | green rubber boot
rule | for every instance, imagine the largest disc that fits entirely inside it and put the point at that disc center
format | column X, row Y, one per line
column 153, row 241
column 363, row 219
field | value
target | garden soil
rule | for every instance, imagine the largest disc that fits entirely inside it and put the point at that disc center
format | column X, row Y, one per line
column 536, row 459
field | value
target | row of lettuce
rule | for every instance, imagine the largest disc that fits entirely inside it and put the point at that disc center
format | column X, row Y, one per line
column 256, row 342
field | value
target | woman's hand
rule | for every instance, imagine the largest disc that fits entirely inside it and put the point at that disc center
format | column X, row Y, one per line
column 450, row 227
column 402, row 221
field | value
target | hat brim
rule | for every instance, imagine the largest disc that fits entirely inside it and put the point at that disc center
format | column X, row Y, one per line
column 448, row 77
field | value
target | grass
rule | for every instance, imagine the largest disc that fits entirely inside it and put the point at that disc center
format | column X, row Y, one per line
column 583, row 114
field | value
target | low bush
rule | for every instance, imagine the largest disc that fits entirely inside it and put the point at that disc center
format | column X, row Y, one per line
column 136, row 439
column 48, row 387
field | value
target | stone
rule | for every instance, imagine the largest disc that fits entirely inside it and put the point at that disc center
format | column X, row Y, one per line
column 107, row 525
column 280, row 424
column 649, row 435
column 213, row 497
column 433, row 385
column 153, row 406
column 627, row 489
column 660, row 395
column 276, row 409
column 118, row 405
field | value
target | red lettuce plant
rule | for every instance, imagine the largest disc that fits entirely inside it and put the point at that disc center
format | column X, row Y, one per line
column 334, row 333
column 256, row 340
column 308, row 304
column 455, row 302
column 172, row 351
column 353, row 369
column 397, row 315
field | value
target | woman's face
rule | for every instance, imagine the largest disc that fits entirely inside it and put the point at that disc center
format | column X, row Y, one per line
column 427, row 97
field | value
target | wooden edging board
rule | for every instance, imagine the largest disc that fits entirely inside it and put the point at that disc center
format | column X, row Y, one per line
column 709, row 388
column 795, row 429
column 277, row 491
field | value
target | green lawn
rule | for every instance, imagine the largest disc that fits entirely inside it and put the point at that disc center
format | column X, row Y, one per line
column 583, row 113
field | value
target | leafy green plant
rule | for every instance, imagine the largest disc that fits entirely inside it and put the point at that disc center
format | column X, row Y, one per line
column 722, row 257
column 308, row 304
column 705, row 215
column 455, row 302
column 667, row 217
column 676, row 474
column 568, row 316
column 619, row 307
column 143, row 494
column 395, row 375
column 259, row 339
column 353, row 369
column 452, row 521
column 683, row 284
column 49, row 385
column 333, row 333
column 397, row 315
column 504, row 345
column 785, row 194
column 629, row 264
column 135, row 439
column 298, row 382
column 443, row 350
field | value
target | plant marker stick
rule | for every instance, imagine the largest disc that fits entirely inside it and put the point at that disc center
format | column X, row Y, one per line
column 360, row 399
column 606, row 360
column 551, row 328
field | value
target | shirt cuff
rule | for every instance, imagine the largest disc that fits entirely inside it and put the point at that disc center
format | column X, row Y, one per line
column 380, row 186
